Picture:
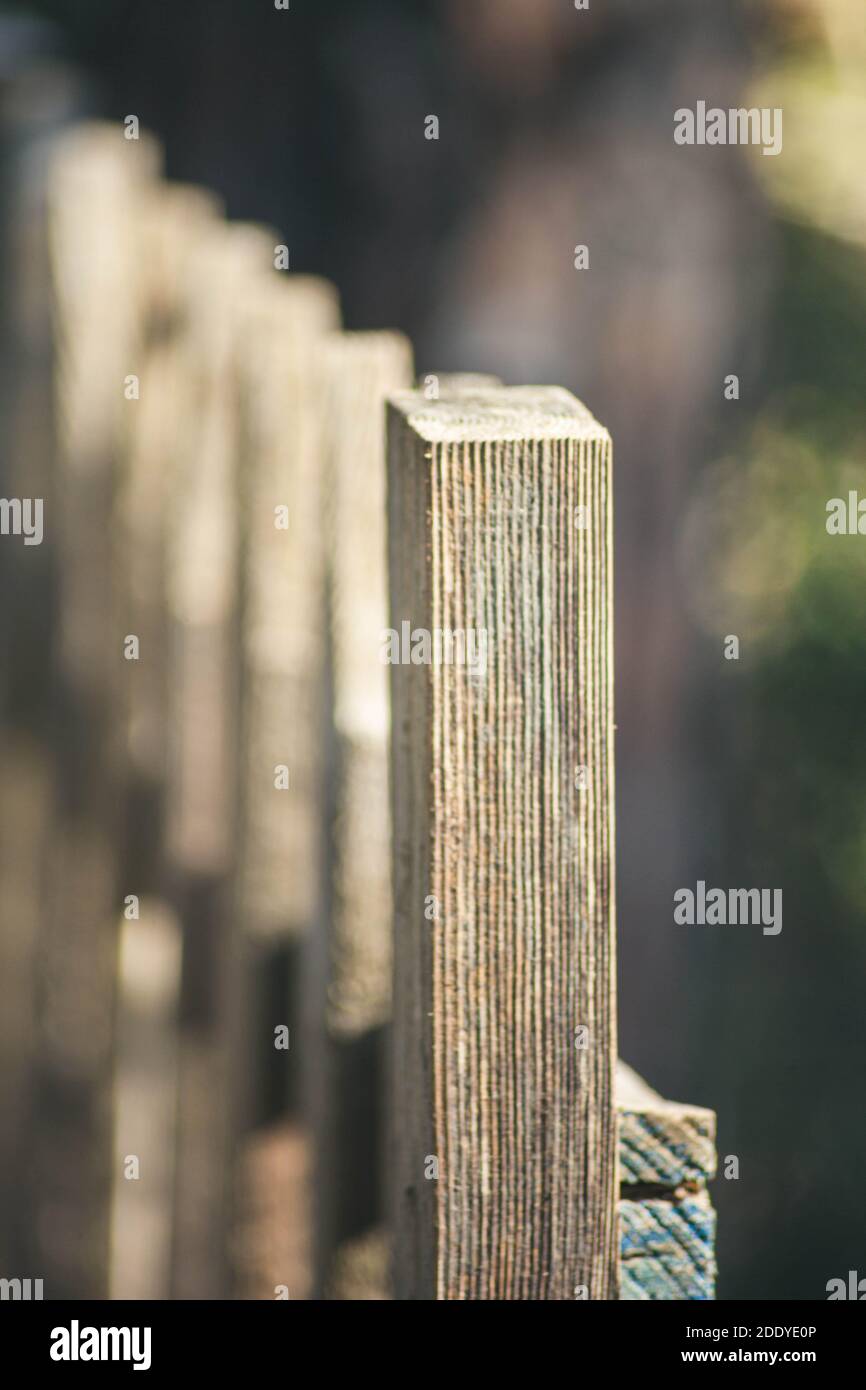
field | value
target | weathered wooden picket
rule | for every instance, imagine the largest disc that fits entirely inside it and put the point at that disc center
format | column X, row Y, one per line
column 252, row 836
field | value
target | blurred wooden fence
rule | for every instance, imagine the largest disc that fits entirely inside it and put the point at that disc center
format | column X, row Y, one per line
column 202, row 851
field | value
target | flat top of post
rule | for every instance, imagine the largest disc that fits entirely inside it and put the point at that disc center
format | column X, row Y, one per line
column 498, row 414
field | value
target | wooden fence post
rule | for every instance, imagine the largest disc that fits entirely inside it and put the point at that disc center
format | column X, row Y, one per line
column 504, row 1031
column 203, row 586
column 284, row 643
column 281, row 832
column 352, row 985
column 177, row 222
column 99, row 184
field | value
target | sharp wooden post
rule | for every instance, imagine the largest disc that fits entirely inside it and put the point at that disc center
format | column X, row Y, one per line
column 500, row 535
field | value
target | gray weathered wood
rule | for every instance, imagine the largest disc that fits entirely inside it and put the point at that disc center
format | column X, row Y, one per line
column 667, row 1155
column 503, row 863
column 661, row 1141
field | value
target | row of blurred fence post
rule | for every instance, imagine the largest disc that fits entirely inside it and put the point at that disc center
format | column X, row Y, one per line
column 215, row 528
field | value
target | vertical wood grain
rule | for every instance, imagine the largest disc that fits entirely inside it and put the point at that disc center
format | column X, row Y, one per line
column 512, row 859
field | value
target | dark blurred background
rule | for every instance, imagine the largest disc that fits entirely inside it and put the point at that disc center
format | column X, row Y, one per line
column 556, row 129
